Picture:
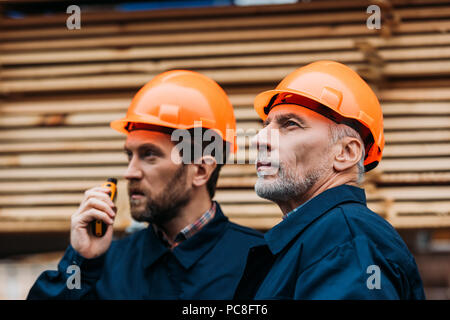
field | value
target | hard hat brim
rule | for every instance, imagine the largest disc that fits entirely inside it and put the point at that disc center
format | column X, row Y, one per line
column 263, row 99
column 120, row 126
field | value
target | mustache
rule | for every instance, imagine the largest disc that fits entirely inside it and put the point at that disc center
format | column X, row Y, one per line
column 134, row 189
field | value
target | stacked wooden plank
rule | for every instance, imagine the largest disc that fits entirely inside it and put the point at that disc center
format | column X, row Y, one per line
column 60, row 88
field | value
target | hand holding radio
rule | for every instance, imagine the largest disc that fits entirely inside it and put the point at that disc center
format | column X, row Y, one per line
column 92, row 224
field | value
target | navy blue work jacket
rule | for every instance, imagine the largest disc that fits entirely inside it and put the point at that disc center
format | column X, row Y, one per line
column 207, row 265
column 332, row 247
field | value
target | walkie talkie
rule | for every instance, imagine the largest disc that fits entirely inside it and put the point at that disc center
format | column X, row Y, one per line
column 98, row 227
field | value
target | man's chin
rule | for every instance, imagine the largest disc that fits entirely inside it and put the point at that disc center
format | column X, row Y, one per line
column 264, row 189
column 272, row 189
column 139, row 215
column 138, row 218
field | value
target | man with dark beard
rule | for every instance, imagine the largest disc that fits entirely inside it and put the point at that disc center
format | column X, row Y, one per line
column 323, row 128
column 190, row 250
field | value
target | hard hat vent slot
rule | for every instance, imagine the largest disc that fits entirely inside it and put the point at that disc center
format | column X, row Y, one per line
column 331, row 97
column 169, row 113
column 365, row 117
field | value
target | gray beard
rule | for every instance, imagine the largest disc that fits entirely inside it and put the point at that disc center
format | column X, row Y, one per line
column 287, row 184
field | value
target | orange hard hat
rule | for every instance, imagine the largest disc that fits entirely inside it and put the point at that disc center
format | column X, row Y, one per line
column 337, row 92
column 182, row 99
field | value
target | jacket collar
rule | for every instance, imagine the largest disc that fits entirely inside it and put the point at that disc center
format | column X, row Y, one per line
column 189, row 251
column 300, row 218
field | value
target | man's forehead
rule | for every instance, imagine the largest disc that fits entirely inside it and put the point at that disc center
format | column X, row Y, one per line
column 138, row 137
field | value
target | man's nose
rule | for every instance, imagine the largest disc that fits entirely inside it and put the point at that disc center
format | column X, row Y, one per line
column 262, row 140
column 133, row 170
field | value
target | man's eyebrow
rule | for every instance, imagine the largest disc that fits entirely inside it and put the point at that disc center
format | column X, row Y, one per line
column 267, row 122
column 280, row 118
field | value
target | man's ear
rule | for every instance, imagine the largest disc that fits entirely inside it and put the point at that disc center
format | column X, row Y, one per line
column 348, row 153
column 204, row 170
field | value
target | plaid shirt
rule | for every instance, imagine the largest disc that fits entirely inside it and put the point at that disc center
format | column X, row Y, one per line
column 187, row 231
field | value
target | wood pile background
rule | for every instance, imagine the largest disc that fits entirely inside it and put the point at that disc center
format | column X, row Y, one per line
column 60, row 88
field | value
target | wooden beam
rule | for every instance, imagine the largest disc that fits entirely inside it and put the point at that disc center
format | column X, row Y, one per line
column 240, row 76
column 213, row 12
column 92, row 105
column 34, row 226
column 415, row 108
column 163, row 65
column 64, row 159
column 29, row 157
column 405, row 14
column 219, row 36
column 40, row 226
column 417, row 136
column 64, row 106
column 420, row 222
column 415, row 94
column 194, row 25
column 62, row 146
column 243, row 104
column 188, row 50
column 416, row 150
column 415, row 164
column 50, row 120
column 409, row 123
column 417, row 68
column 218, row 49
column 184, row 13
column 437, row 52
column 58, row 134
column 244, row 119
column 412, row 178
column 48, row 186
column 396, row 69
column 16, row 149
column 101, row 172
column 45, row 127
column 135, row 81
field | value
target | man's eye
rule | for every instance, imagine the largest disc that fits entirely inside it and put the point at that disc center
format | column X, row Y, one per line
column 149, row 153
column 290, row 123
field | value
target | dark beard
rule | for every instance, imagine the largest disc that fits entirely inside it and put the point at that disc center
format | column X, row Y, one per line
column 167, row 207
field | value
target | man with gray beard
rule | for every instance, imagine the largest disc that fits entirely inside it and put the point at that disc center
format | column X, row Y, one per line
column 323, row 129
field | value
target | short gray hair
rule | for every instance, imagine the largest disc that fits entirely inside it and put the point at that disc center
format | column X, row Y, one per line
column 339, row 131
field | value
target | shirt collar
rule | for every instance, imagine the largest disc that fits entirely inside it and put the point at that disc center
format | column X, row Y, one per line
column 300, row 218
column 293, row 211
column 187, row 231
column 191, row 249
column 195, row 227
